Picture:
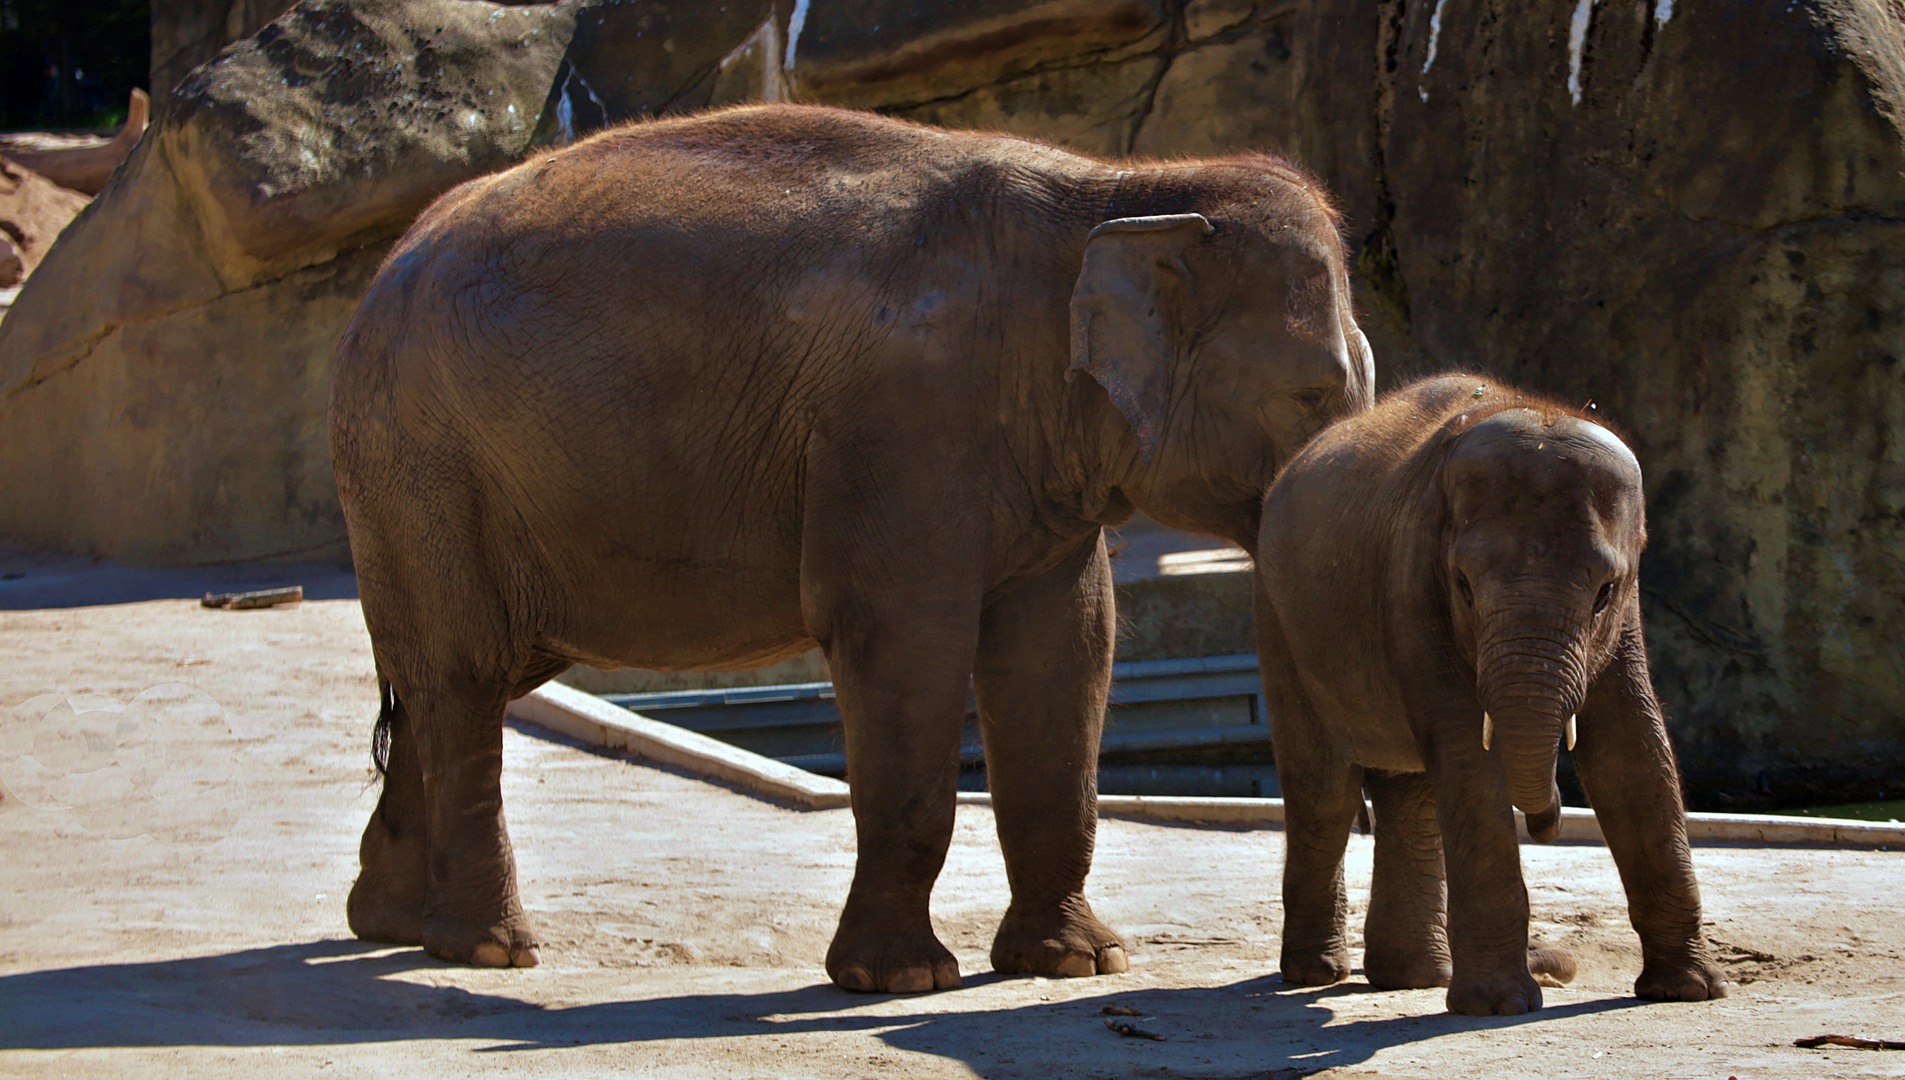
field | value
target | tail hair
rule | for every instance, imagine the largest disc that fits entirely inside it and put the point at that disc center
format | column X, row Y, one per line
column 380, row 731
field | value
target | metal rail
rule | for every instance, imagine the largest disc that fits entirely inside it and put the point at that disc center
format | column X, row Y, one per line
column 799, row 723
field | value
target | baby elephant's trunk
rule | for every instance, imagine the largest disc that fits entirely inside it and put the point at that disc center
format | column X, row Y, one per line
column 1531, row 682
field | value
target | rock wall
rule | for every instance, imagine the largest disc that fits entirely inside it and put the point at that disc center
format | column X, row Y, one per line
column 1689, row 213
column 1693, row 216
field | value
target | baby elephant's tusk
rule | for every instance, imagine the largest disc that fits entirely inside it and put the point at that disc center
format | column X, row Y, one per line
column 1570, row 732
column 1488, row 730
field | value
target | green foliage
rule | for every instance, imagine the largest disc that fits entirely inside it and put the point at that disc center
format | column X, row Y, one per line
column 71, row 63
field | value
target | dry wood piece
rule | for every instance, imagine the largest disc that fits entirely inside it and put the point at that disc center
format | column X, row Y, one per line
column 263, row 598
column 1852, row 1041
column 1133, row 1031
column 1120, row 1010
column 79, row 164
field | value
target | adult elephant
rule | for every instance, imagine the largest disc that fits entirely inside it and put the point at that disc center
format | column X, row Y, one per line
column 701, row 393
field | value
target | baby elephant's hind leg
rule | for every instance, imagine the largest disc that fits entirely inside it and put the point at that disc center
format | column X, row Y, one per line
column 1322, row 794
column 1406, row 939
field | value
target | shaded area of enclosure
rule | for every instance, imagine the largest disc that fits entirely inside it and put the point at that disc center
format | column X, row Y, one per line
column 332, row 992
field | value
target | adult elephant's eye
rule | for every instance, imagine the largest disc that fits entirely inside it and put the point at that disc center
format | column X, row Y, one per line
column 1601, row 598
column 1468, row 594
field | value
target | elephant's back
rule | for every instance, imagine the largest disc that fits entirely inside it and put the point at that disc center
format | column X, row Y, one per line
column 759, row 192
column 1359, row 491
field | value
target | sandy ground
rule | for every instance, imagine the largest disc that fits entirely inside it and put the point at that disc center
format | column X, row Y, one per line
column 684, row 923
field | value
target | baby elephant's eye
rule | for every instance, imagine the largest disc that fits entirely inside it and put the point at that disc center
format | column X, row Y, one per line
column 1601, row 598
column 1468, row 594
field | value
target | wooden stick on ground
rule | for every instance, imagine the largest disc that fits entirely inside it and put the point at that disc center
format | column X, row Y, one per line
column 263, row 598
column 1856, row 1043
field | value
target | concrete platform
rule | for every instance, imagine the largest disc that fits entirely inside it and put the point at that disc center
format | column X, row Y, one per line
column 685, row 924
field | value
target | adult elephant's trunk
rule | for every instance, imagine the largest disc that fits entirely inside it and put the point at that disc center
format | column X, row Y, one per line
column 1531, row 678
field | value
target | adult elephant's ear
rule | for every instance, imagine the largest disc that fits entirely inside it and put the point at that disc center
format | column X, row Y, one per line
column 1127, row 314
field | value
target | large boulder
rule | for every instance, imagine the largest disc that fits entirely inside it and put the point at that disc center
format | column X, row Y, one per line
column 33, row 211
column 1687, row 214
column 187, row 33
column 164, row 373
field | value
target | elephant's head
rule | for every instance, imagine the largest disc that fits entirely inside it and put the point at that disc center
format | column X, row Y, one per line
column 1542, row 529
column 1225, row 339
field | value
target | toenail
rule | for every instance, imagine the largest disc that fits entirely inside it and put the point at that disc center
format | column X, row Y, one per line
column 1076, row 965
column 489, row 954
column 911, row 981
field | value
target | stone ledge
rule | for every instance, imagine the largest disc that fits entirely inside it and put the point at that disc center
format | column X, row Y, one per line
column 587, row 718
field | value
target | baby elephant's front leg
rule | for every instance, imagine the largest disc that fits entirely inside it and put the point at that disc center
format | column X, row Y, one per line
column 1626, row 764
column 1488, row 902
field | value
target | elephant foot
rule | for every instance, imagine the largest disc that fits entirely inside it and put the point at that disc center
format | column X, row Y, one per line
column 385, row 910
column 880, row 957
column 509, row 943
column 1509, row 994
column 1694, row 979
column 1066, row 941
column 1305, row 968
column 1414, row 971
column 1551, row 964
column 386, row 901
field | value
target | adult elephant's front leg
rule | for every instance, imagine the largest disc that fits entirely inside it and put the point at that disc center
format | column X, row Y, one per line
column 1627, row 767
column 1042, row 675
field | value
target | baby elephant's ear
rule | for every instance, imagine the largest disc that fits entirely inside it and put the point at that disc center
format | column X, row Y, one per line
column 1128, row 317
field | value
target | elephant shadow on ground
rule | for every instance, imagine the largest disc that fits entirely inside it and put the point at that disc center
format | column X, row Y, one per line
column 344, row 992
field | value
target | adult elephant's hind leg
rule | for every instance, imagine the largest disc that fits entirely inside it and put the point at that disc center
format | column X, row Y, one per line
column 901, row 677
column 1042, row 674
column 472, row 912
column 386, row 902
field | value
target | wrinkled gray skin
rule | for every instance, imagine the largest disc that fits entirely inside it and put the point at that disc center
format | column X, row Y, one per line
column 702, row 393
column 1463, row 551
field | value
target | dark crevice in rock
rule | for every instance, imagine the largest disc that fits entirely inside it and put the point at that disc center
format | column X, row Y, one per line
column 1841, row 216
column 1711, row 633
column 1648, row 28
column 1378, row 261
column 1174, row 43
column 1111, row 55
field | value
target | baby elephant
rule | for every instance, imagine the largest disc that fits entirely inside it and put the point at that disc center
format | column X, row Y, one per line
column 1446, row 591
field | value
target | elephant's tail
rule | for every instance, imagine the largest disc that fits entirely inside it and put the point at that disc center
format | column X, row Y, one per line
column 380, row 731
